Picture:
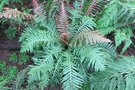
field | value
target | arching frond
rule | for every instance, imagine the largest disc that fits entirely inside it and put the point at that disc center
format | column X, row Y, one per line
column 88, row 37
column 37, row 39
column 26, row 33
column 33, row 37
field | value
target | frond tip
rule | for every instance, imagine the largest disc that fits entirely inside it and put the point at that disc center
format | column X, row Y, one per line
column 88, row 37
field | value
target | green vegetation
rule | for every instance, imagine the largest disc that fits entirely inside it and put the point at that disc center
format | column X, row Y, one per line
column 68, row 45
column 2, row 65
column 13, row 57
column 9, row 73
column 6, row 75
column 10, row 33
column 22, row 58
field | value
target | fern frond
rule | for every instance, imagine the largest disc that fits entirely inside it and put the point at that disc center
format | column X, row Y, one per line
column 33, row 38
column 36, row 39
column 63, row 19
column 88, row 37
column 72, row 79
column 9, row 13
column 97, row 60
column 40, row 73
column 49, row 55
column 109, row 18
column 93, row 57
column 81, row 23
column 53, row 9
column 75, row 16
column 26, row 33
column 87, row 23
column 109, row 48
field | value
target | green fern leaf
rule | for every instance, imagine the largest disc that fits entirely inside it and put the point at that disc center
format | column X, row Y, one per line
column 36, row 39
column 40, row 73
column 49, row 55
column 71, row 78
column 86, row 24
column 94, row 57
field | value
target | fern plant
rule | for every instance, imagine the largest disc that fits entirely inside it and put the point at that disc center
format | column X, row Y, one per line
column 60, row 49
column 70, row 51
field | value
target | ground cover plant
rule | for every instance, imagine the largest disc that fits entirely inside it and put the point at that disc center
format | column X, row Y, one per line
column 75, row 45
